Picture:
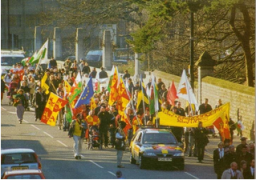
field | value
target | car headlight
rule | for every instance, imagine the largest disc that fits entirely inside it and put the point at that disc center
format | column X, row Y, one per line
column 149, row 154
column 179, row 154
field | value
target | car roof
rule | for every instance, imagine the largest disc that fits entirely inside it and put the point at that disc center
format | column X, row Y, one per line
column 17, row 150
column 155, row 130
column 25, row 171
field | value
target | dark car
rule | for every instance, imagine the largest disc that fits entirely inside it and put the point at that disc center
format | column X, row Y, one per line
column 94, row 59
column 152, row 146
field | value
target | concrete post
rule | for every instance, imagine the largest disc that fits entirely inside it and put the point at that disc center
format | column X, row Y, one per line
column 205, row 65
column 107, row 54
column 80, row 46
column 37, row 38
column 57, row 43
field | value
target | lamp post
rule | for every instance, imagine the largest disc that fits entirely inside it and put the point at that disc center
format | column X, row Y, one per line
column 192, row 49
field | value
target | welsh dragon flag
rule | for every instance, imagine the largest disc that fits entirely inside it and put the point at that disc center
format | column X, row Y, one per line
column 110, row 78
column 42, row 54
column 76, row 89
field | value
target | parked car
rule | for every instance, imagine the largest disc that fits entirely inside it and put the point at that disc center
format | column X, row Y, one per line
column 24, row 174
column 155, row 146
column 19, row 159
column 9, row 58
column 94, row 58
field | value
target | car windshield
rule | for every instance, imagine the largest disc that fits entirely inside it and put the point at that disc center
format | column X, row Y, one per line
column 18, row 158
column 93, row 57
column 25, row 176
column 9, row 61
column 159, row 138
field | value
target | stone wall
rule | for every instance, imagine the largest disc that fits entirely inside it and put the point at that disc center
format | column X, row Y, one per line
column 238, row 95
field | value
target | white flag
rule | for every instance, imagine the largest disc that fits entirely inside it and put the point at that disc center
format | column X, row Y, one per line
column 185, row 91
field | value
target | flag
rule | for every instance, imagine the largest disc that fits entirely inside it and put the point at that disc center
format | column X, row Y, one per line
column 222, row 124
column 86, row 95
column 96, row 86
column 41, row 55
column 128, row 124
column 67, row 87
column 185, row 91
column 25, row 61
column 142, row 95
column 44, row 85
column 172, row 94
column 110, row 78
column 92, row 103
column 69, row 113
column 76, row 89
column 52, row 108
column 123, row 98
column 114, row 91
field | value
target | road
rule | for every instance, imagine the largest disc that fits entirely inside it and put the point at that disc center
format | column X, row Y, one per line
column 56, row 152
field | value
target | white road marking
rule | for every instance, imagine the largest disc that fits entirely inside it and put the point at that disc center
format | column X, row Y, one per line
column 191, row 175
column 112, row 173
column 11, row 112
column 95, row 164
column 3, row 108
column 25, row 121
column 35, row 127
column 48, row 134
column 62, row 143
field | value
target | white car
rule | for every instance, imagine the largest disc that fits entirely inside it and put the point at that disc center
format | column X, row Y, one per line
column 19, row 159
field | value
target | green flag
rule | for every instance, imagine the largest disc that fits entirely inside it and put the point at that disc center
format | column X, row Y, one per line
column 69, row 114
column 42, row 54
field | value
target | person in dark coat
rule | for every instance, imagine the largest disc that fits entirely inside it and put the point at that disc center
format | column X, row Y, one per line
column 93, row 73
column 53, row 63
column 40, row 102
column 103, row 73
column 250, row 173
column 178, row 131
column 244, row 155
column 86, row 68
column 201, row 140
column 104, row 117
column 239, row 147
column 230, row 156
column 126, row 75
column 218, row 160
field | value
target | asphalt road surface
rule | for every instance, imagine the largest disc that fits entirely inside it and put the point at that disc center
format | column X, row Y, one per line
column 56, row 152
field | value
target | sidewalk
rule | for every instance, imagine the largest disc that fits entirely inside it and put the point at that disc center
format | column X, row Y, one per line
column 213, row 144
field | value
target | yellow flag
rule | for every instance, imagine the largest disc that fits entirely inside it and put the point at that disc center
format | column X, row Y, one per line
column 67, row 86
column 52, row 109
column 93, row 104
column 44, row 85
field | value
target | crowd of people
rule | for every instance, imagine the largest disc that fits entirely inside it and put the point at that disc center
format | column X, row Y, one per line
column 25, row 91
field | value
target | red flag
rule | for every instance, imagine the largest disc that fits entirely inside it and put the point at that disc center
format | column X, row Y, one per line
column 172, row 94
column 223, row 128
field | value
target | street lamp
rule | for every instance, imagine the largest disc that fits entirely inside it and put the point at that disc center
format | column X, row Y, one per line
column 193, row 5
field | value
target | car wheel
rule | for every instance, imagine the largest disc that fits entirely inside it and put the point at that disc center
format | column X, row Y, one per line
column 132, row 160
column 141, row 163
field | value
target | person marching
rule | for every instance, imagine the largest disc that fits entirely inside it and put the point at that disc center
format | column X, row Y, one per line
column 119, row 145
column 201, row 140
column 19, row 102
column 77, row 131
column 39, row 103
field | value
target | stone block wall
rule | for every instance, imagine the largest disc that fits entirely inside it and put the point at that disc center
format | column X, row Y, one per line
column 238, row 95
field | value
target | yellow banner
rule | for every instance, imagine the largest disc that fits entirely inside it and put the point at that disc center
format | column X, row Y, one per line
column 44, row 85
column 168, row 118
